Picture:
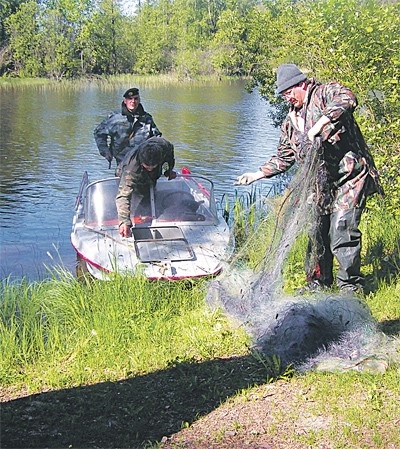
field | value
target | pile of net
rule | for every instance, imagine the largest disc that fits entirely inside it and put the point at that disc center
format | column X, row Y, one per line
column 333, row 332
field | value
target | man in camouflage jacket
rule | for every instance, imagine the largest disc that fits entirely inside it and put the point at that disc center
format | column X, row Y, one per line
column 345, row 176
column 140, row 169
column 122, row 131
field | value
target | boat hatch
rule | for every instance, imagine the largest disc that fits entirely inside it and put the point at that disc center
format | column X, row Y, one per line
column 161, row 244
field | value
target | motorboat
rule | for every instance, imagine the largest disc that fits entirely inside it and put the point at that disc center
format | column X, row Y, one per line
column 178, row 231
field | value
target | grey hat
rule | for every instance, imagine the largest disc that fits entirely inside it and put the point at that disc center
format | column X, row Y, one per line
column 288, row 75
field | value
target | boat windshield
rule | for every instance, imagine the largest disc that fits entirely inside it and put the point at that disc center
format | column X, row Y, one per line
column 186, row 198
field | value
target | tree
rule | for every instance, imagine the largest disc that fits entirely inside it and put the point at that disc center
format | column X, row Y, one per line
column 74, row 16
column 245, row 41
column 7, row 8
column 23, row 29
column 57, row 45
column 155, row 38
column 104, row 33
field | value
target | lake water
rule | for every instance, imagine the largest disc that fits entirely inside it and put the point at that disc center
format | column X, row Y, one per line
column 46, row 143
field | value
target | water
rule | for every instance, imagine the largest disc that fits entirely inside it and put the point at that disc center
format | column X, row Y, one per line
column 46, row 143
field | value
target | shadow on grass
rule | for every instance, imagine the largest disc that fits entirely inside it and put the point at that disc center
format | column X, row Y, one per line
column 386, row 265
column 126, row 413
column 390, row 327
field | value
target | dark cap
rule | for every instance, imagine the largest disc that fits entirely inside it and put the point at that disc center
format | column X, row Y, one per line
column 132, row 92
column 288, row 75
column 152, row 151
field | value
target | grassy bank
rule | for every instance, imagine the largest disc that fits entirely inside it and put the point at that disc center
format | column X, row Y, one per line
column 109, row 82
column 64, row 333
column 126, row 362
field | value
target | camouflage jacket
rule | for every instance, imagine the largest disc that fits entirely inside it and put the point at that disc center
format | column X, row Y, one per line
column 121, row 131
column 346, row 172
column 137, row 180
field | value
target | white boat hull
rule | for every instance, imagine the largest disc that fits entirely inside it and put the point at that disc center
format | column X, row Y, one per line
column 169, row 243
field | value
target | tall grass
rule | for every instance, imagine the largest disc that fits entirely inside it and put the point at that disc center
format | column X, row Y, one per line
column 64, row 332
column 109, row 82
column 7, row 83
column 257, row 227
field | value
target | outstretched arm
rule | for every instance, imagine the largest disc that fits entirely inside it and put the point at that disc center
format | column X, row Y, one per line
column 249, row 178
column 279, row 163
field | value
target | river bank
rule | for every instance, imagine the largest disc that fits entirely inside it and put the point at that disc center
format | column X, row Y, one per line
column 130, row 363
column 144, row 365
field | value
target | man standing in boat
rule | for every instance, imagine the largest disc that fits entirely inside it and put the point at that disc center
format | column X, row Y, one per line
column 321, row 120
column 123, row 131
column 139, row 171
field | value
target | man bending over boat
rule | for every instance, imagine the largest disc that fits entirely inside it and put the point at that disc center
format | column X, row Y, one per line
column 140, row 169
column 122, row 131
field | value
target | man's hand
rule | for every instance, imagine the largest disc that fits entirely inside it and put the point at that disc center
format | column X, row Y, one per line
column 249, row 178
column 312, row 133
column 170, row 174
column 108, row 156
column 125, row 230
column 317, row 128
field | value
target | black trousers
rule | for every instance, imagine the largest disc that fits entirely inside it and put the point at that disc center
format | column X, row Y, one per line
column 336, row 235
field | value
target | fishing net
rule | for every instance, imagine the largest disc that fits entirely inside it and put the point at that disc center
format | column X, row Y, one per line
column 317, row 331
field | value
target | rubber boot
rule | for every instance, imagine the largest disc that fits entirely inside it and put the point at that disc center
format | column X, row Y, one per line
column 319, row 257
column 346, row 247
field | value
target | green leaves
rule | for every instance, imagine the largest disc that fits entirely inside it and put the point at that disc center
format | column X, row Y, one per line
column 353, row 42
column 24, row 42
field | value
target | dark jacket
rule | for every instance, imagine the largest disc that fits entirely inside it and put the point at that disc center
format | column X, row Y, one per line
column 346, row 171
column 121, row 131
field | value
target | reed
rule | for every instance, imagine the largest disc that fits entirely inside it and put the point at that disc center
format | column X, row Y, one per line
column 64, row 332
column 35, row 83
column 108, row 83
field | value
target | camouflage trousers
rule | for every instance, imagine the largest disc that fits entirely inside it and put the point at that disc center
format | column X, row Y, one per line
column 336, row 235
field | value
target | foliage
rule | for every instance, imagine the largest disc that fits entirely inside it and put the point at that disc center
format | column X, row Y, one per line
column 106, row 48
column 229, row 41
column 58, row 60
column 356, row 43
column 7, row 8
column 153, row 50
column 62, row 332
column 24, row 40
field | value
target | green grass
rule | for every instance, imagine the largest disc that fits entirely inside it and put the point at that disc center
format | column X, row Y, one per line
column 158, row 341
column 64, row 332
column 109, row 82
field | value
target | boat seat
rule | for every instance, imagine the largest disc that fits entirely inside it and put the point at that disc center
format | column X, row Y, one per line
column 184, row 210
